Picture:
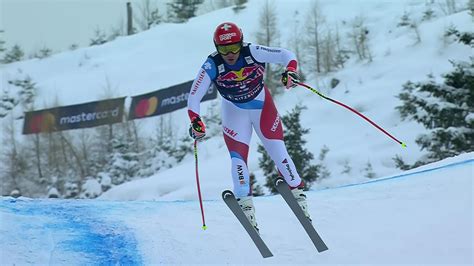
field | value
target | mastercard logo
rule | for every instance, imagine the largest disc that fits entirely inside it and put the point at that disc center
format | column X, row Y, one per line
column 146, row 107
column 43, row 122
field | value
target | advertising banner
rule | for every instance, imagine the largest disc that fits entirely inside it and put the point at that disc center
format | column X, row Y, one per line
column 165, row 100
column 85, row 115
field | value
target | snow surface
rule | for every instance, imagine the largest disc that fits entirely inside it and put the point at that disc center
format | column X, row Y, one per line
column 423, row 216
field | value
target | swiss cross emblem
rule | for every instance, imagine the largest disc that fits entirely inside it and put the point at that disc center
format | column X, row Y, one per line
column 226, row 27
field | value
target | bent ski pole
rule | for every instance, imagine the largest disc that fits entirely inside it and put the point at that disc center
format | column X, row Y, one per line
column 353, row 110
column 204, row 227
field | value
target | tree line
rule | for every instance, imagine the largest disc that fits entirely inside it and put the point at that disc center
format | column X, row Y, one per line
column 83, row 163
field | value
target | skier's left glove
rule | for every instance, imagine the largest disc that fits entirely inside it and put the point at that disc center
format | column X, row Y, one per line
column 290, row 78
column 197, row 129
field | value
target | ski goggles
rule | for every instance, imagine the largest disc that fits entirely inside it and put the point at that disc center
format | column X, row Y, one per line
column 230, row 48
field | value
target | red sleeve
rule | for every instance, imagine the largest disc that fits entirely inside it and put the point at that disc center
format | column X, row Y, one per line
column 192, row 115
column 292, row 66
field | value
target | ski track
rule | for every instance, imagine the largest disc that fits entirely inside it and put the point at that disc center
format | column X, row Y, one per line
column 85, row 232
column 96, row 240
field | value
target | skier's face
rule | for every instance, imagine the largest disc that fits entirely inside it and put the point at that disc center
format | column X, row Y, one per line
column 230, row 53
column 231, row 58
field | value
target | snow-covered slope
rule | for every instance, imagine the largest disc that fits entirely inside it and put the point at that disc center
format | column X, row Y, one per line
column 172, row 53
column 420, row 217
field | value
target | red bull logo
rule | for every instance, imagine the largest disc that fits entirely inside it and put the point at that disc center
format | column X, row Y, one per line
column 239, row 75
column 247, row 76
column 242, row 84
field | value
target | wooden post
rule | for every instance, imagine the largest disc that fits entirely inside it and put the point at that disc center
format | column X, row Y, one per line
column 129, row 19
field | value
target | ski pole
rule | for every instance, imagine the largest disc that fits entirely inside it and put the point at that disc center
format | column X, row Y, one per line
column 353, row 110
column 204, row 227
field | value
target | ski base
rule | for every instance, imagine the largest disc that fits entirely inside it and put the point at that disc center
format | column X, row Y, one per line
column 229, row 198
column 285, row 192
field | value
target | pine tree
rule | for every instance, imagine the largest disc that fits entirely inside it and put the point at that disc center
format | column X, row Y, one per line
column 239, row 5
column 123, row 164
column 213, row 120
column 99, row 38
column 27, row 92
column 183, row 148
column 295, row 142
column 445, row 110
column 342, row 54
column 428, row 14
column 45, row 52
column 13, row 156
column 346, row 167
column 256, row 188
column 165, row 151
column 42, row 53
column 466, row 38
column 2, row 43
column 15, row 54
column 154, row 159
column 369, row 172
column 219, row 4
column 404, row 20
column 7, row 102
column 470, row 6
column 323, row 170
column 179, row 11
column 400, row 164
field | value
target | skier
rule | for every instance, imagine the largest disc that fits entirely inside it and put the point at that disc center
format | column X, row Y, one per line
column 237, row 70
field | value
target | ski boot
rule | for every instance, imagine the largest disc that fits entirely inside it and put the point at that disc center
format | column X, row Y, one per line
column 300, row 197
column 246, row 203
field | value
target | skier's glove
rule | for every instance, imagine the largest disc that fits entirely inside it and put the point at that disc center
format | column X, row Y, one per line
column 290, row 78
column 197, row 129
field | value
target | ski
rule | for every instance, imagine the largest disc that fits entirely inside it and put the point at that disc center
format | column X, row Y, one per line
column 285, row 192
column 231, row 201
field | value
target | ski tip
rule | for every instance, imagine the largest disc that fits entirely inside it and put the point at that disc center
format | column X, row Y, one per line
column 227, row 193
column 322, row 249
column 279, row 180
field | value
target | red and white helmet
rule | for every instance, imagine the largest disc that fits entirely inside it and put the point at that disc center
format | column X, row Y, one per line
column 227, row 33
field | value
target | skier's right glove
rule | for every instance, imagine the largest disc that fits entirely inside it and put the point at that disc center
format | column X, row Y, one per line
column 197, row 129
column 290, row 78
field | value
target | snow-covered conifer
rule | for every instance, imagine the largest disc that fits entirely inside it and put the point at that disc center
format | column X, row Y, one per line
column 446, row 110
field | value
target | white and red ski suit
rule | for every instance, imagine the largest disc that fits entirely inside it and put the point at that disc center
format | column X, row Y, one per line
column 246, row 104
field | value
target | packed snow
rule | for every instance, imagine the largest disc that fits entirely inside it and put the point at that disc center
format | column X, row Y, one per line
column 423, row 216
